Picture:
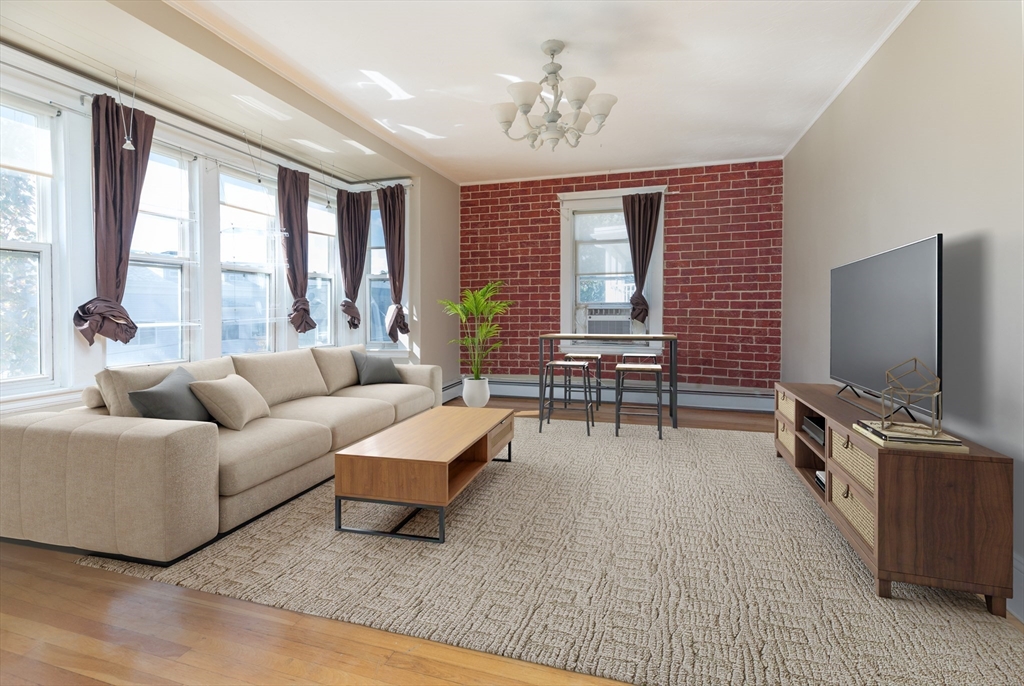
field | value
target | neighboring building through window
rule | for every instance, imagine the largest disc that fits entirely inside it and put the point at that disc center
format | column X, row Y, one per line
column 249, row 244
column 157, row 294
column 323, row 255
column 26, row 191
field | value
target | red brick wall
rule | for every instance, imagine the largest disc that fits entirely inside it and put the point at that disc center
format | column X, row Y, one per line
column 723, row 264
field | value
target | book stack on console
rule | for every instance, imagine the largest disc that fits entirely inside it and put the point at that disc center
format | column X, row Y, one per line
column 909, row 436
column 819, row 478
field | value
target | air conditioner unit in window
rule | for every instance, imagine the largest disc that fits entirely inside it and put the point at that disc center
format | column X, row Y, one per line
column 609, row 320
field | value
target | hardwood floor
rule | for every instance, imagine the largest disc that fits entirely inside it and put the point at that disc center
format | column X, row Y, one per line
column 688, row 418
column 61, row 623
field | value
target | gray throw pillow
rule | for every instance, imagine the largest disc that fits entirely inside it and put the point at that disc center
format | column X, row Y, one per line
column 171, row 399
column 373, row 370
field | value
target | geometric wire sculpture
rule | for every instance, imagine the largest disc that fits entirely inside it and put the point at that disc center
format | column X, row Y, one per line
column 908, row 383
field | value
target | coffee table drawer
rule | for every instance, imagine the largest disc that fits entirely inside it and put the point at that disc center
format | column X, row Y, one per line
column 499, row 437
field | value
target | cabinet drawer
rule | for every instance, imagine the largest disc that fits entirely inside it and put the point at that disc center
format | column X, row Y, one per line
column 857, row 463
column 860, row 515
column 499, row 437
column 786, row 437
column 786, row 406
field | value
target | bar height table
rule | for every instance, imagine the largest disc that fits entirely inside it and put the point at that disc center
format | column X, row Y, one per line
column 673, row 347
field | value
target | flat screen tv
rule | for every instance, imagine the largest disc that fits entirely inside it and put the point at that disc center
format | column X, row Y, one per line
column 886, row 309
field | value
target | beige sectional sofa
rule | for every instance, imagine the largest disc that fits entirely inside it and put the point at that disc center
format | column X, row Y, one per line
column 104, row 479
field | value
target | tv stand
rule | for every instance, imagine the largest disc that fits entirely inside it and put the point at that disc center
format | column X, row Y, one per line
column 868, row 409
column 915, row 516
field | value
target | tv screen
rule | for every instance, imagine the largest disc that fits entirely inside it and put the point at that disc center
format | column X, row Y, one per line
column 885, row 310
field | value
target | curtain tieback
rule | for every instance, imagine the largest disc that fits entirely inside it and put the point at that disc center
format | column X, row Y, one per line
column 350, row 310
column 639, row 307
column 104, row 317
column 299, row 316
column 395, row 322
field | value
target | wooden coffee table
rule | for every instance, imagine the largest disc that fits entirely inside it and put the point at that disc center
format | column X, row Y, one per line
column 423, row 462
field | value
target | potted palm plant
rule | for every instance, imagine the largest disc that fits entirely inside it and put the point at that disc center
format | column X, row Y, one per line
column 477, row 330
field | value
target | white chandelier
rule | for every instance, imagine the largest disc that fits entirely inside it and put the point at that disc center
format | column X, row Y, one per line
column 553, row 126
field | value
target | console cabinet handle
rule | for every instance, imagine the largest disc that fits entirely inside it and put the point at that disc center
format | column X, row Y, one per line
column 846, row 491
column 846, row 444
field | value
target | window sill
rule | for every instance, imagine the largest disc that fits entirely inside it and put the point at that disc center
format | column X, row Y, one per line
column 611, row 349
column 39, row 400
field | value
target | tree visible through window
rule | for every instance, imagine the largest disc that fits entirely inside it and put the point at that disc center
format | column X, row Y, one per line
column 26, row 168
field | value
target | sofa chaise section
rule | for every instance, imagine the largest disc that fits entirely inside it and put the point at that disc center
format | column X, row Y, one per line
column 126, row 486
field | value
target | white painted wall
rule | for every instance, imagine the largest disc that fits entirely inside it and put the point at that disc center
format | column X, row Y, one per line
column 928, row 138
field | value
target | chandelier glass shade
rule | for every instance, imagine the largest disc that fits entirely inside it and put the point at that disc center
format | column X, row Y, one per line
column 553, row 126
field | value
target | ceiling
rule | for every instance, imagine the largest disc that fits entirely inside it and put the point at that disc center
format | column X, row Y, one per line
column 697, row 81
column 96, row 38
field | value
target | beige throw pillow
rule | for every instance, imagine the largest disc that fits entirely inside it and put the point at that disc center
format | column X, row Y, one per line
column 232, row 401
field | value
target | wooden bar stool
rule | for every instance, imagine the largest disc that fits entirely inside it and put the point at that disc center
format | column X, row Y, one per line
column 588, row 357
column 620, row 388
column 568, row 367
column 639, row 358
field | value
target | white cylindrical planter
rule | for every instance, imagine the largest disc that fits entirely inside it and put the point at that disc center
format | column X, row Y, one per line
column 475, row 392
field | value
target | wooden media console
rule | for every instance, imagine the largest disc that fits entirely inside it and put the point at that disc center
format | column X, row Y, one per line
column 917, row 516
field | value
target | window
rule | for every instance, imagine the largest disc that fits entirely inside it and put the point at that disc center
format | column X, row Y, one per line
column 377, row 288
column 604, row 271
column 248, row 252
column 323, row 255
column 597, row 271
column 26, row 178
column 156, row 294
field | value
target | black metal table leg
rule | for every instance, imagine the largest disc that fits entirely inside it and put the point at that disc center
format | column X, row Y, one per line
column 394, row 531
column 505, row 459
column 540, row 381
column 673, row 382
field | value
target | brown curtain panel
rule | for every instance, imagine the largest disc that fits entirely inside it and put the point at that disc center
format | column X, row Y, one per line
column 641, row 210
column 118, row 175
column 391, row 202
column 353, row 237
column 293, row 208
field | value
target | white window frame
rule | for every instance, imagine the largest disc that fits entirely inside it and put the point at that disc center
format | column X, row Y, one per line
column 48, row 219
column 608, row 201
column 276, row 334
column 401, row 347
column 185, row 262
column 334, row 260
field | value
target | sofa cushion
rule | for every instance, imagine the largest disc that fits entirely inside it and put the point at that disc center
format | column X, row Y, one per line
column 349, row 419
column 91, row 397
column 280, row 377
column 232, row 401
column 171, row 399
column 337, row 366
column 373, row 370
column 407, row 399
column 115, row 384
column 268, row 448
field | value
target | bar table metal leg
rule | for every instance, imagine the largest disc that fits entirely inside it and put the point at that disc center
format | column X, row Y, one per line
column 673, row 382
column 540, row 382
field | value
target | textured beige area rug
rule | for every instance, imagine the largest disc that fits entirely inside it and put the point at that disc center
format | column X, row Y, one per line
column 699, row 559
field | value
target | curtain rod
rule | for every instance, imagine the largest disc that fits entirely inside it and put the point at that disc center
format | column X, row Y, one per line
column 84, row 94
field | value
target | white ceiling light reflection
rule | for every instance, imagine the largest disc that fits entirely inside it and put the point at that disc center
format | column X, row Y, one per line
column 360, row 146
column 260, row 107
column 384, row 123
column 312, row 145
column 393, row 89
column 416, row 129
